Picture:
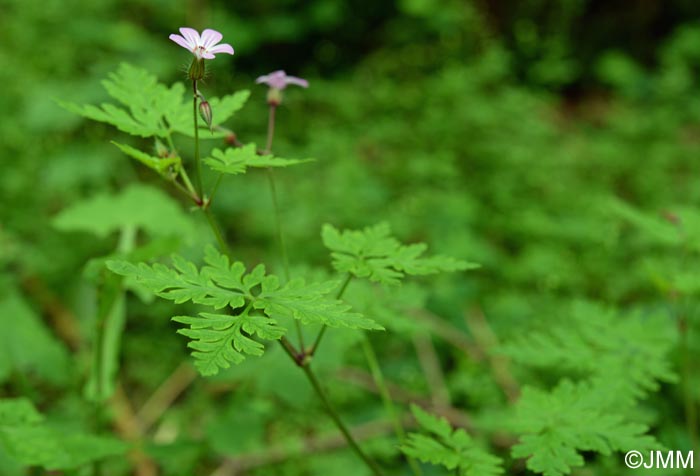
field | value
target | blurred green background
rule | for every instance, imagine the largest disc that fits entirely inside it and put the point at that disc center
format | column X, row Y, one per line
column 554, row 142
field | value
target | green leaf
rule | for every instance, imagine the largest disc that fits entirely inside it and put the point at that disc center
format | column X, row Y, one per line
column 148, row 108
column 159, row 164
column 556, row 427
column 219, row 339
column 630, row 352
column 138, row 206
column 27, row 346
column 453, row 449
column 236, row 160
column 27, row 438
column 146, row 103
column 184, row 282
column 374, row 254
column 430, row 423
column 310, row 304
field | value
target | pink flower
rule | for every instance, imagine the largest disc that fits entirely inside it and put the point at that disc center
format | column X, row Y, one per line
column 279, row 80
column 202, row 47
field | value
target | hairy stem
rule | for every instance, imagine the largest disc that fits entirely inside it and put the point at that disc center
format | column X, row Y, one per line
column 197, row 163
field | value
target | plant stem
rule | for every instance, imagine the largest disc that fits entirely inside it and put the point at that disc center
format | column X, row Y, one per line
column 273, row 193
column 344, row 286
column 341, row 291
column 338, row 422
column 270, row 129
column 169, row 137
column 188, row 184
column 278, row 218
column 184, row 190
column 378, row 377
column 216, row 229
column 188, row 189
column 215, row 188
column 197, row 164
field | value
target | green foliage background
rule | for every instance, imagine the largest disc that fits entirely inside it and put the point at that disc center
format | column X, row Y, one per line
column 556, row 143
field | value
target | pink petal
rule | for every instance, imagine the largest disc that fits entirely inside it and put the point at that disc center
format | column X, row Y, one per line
column 298, row 81
column 263, row 79
column 181, row 41
column 207, row 55
column 210, row 37
column 222, row 48
column 190, row 35
column 276, row 79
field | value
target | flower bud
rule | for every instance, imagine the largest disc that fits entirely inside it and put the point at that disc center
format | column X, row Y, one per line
column 205, row 112
column 274, row 97
column 197, row 69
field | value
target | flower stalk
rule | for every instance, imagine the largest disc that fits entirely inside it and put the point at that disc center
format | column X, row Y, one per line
column 204, row 47
column 276, row 209
column 197, row 160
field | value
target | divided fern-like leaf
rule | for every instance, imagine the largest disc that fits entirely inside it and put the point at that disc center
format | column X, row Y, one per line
column 453, row 449
column 374, row 254
column 145, row 103
column 631, row 352
column 219, row 339
column 309, row 304
column 235, row 161
column 148, row 108
column 557, row 426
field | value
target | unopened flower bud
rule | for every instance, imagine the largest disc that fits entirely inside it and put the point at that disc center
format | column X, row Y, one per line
column 197, row 69
column 205, row 112
column 274, row 97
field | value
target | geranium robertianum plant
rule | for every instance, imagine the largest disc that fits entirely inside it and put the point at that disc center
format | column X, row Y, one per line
column 247, row 307
column 242, row 310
